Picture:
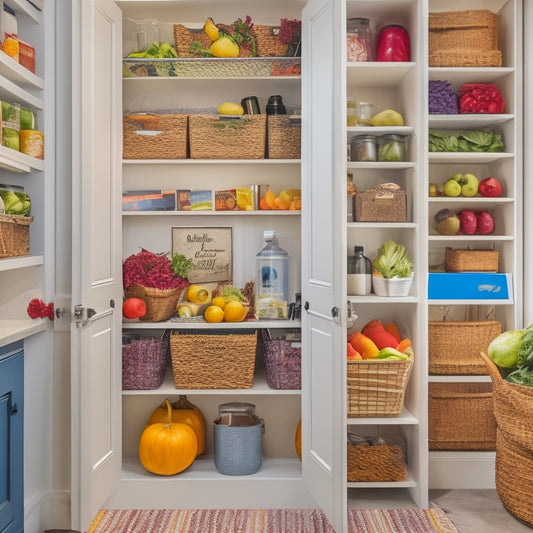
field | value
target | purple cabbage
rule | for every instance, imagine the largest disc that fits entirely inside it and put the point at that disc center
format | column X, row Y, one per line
column 442, row 98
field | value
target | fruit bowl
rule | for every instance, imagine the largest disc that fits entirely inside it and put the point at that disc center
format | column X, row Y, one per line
column 391, row 287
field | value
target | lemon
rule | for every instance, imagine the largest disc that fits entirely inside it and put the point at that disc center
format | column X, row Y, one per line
column 230, row 108
column 214, row 314
column 234, row 311
column 210, row 29
column 388, row 117
column 224, row 47
column 218, row 300
column 198, row 294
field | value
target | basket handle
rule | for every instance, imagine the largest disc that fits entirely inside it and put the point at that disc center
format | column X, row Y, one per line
column 494, row 373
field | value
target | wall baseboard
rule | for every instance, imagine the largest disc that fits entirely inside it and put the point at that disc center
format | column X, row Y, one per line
column 47, row 510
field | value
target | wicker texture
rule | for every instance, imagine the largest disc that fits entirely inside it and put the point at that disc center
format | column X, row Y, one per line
column 461, row 416
column 170, row 141
column 377, row 387
column 213, row 361
column 144, row 362
column 381, row 203
column 267, row 41
column 183, row 37
column 160, row 304
column 464, row 39
column 470, row 260
column 284, row 136
column 454, row 346
column 283, row 363
column 376, row 463
column 213, row 137
column 14, row 235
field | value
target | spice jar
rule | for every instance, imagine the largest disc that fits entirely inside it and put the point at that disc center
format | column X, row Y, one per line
column 392, row 147
column 351, row 111
column 366, row 110
column 359, row 45
column 363, row 148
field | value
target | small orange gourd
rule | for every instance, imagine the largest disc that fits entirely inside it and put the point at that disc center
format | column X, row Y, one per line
column 298, row 439
column 167, row 448
column 184, row 412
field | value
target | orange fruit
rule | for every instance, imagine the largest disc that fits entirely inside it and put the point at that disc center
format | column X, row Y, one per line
column 214, row 314
column 234, row 311
column 218, row 300
column 269, row 198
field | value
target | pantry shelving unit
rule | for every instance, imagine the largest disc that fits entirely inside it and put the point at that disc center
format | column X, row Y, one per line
column 475, row 469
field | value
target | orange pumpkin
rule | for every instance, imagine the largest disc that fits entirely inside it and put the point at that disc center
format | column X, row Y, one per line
column 184, row 412
column 298, row 439
column 166, row 448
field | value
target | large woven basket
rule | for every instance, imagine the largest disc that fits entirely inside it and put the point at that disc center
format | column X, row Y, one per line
column 183, row 37
column 160, row 304
column 464, row 39
column 267, row 41
column 213, row 360
column 381, row 462
column 381, row 203
column 284, row 134
column 470, row 260
column 283, row 363
column 461, row 416
column 155, row 136
column 513, row 409
column 454, row 346
column 14, row 235
column 377, row 387
column 216, row 137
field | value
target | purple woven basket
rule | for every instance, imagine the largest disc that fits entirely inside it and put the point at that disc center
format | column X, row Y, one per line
column 144, row 361
column 283, row 363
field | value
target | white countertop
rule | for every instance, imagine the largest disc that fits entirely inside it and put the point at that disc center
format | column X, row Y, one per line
column 12, row 330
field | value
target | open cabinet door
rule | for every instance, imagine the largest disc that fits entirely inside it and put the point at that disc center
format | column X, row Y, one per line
column 323, row 227
column 97, row 256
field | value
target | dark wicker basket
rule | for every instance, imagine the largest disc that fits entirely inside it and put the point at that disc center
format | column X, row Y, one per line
column 283, row 363
column 14, row 235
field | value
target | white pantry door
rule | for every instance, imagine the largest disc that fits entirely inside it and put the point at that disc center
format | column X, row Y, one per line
column 97, row 256
column 323, row 286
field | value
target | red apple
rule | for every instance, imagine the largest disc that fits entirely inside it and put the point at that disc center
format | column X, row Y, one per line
column 490, row 187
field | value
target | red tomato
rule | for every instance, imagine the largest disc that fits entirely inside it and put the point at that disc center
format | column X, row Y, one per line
column 133, row 308
column 490, row 187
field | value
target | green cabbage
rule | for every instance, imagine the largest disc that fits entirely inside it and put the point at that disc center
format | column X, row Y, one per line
column 392, row 261
column 15, row 203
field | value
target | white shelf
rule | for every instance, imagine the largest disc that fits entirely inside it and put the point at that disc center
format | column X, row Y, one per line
column 381, row 165
column 467, row 120
column 23, row 7
column 468, row 238
column 18, row 162
column 202, row 324
column 470, row 201
column 468, row 157
column 381, row 225
column 11, row 263
column 409, row 482
column 380, row 130
column 433, row 378
column 461, row 75
column 211, row 161
column 256, row 213
column 18, row 74
column 372, row 298
column 13, row 93
column 15, row 330
column 376, row 74
column 404, row 418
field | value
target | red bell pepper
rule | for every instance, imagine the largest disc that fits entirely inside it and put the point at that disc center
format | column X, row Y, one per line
column 480, row 98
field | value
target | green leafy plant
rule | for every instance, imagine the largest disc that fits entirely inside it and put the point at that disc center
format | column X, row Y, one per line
column 181, row 264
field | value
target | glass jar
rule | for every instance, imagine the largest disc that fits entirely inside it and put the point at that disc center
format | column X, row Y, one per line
column 359, row 273
column 363, row 148
column 366, row 110
column 359, row 45
column 392, row 147
column 351, row 111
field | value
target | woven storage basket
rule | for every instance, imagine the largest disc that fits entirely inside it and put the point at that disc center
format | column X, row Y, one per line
column 381, row 203
column 216, row 360
column 284, row 134
column 160, row 304
column 513, row 409
column 183, row 37
column 377, row 387
column 461, row 416
column 454, row 347
column 215, row 137
column 470, row 260
column 151, row 136
column 267, row 41
column 380, row 462
column 464, row 39
column 283, row 363
column 144, row 361
column 14, row 235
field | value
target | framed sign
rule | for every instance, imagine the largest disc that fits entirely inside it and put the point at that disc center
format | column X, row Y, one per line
column 209, row 248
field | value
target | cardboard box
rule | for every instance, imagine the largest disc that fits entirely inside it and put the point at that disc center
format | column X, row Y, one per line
column 149, row 201
column 470, row 286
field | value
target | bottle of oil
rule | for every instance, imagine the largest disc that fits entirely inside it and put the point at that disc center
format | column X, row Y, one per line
column 359, row 273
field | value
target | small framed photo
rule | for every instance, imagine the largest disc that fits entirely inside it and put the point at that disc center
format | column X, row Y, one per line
column 210, row 249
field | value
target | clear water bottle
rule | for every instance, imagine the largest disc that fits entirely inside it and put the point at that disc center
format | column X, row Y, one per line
column 272, row 280
column 359, row 273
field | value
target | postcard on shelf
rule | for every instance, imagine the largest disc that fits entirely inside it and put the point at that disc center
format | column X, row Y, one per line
column 188, row 200
column 149, row 200
column 210, row 249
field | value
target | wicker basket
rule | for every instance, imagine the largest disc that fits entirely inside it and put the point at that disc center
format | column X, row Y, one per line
column 464, row 39
column 14, row 235
column 381, row 203
column 284, row 134
column 144, row 361
column 215, row 137
column 214, row 360
column 267, row 41
column 454, row 347
column 283, row 363
column 380, row 462
column 461, row 416
column 377, row 387
column 155, row 136
column 470, row 260
column 183, row 37
column 513, row 409
column 160, row 304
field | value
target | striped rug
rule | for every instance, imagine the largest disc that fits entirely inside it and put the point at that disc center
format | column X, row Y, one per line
column 432, row 520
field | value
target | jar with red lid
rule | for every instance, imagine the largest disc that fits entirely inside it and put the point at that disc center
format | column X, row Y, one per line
column 393, row 44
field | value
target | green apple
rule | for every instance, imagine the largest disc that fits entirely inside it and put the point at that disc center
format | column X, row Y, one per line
column 452, row 188
column 469, row 184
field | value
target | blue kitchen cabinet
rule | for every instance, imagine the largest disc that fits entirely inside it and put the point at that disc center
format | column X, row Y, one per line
column 11, row 438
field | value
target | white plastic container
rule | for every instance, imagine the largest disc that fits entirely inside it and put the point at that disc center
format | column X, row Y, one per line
column 391, row 287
